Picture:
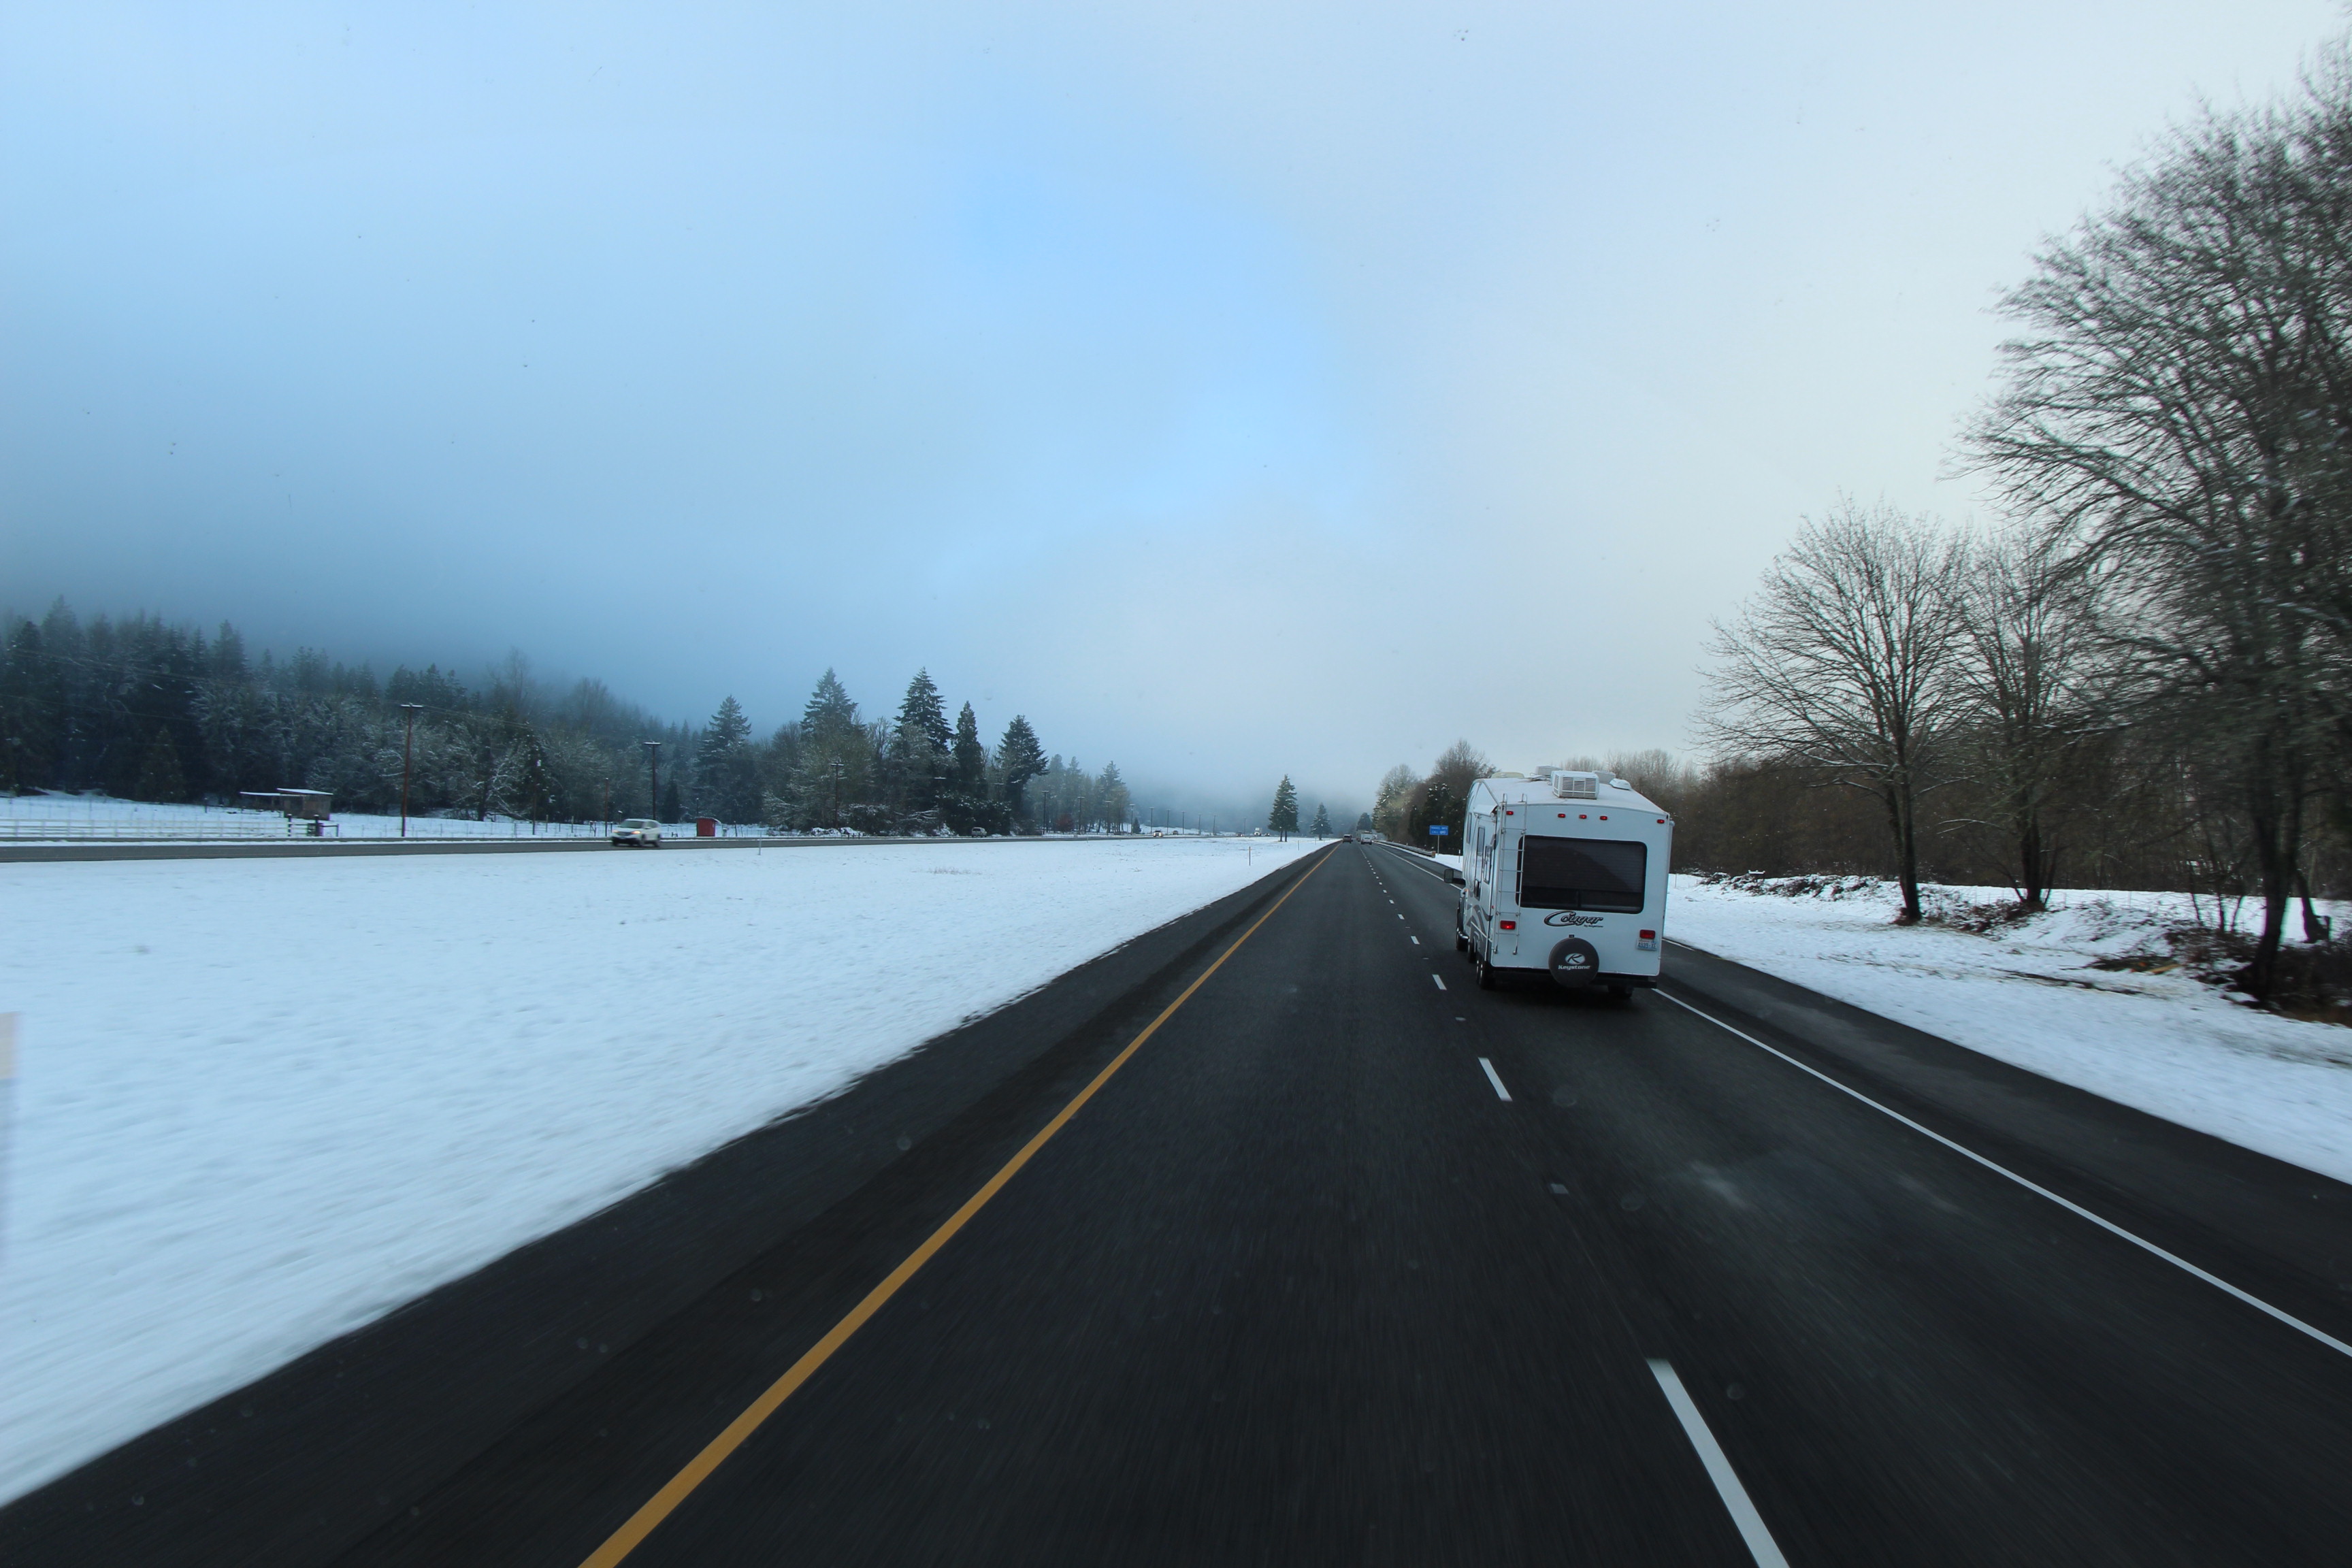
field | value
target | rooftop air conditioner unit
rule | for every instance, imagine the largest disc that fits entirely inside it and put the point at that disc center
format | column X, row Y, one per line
column 1575, row 786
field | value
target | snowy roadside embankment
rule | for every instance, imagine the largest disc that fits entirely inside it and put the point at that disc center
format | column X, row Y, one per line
column 2163, row 1043
column 261, row 1102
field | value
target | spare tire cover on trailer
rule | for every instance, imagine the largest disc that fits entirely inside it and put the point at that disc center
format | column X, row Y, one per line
column 1573, row 962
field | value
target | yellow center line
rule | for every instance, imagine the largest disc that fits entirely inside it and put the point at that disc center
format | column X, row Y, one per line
column 660, row 1506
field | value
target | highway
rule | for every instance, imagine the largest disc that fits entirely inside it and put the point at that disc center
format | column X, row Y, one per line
column 1272, row 1239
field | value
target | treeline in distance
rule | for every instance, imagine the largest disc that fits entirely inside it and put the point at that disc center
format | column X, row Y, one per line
column 145, row 709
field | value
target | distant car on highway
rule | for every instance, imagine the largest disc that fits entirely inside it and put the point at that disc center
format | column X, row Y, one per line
column 639, row 833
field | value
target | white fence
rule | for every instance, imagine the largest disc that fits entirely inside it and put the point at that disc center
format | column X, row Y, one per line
column 124, row 829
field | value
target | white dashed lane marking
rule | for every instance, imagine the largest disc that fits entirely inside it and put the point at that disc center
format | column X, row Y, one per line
column 1440, row 984
column 1496, row 1079
column 1719, row 1470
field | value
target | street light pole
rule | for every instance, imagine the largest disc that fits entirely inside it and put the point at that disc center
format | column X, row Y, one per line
column 407, row 751
column 653, row 765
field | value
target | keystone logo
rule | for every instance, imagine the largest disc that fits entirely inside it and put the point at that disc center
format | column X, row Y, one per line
column 1571, row 919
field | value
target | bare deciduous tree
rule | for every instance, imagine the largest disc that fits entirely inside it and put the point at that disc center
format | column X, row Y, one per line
column 1459, row 766
column 2179, row 416
column 2028, row 671
column 1657, row 774
column 1844, row 663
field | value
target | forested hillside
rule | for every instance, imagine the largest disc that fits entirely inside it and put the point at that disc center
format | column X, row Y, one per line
column 147, row 709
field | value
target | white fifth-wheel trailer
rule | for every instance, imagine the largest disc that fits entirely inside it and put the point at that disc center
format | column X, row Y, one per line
column 1564, row 874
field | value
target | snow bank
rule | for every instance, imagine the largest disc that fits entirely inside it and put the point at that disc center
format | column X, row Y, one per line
column 261, row 1102
column 2163, row 1043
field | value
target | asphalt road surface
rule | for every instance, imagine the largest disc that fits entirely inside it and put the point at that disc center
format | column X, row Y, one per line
column 1348, row 1261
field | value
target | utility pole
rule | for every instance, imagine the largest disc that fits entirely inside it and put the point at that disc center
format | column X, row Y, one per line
column 652, row 764
column 838, row 768
column 407, row 751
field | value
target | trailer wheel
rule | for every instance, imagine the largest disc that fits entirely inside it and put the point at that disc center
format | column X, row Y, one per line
column 1461, row 942
column 1486, row 973
column 1621, row 992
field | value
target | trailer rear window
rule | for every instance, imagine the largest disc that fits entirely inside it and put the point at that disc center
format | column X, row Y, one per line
column 1602, row 874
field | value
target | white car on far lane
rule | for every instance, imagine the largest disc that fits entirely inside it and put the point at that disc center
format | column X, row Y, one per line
column 639, row 833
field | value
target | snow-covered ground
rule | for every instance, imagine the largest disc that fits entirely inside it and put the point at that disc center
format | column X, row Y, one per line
column 37, row 818
column 2164, row 1043
column 57, row 817
column 260, row 1102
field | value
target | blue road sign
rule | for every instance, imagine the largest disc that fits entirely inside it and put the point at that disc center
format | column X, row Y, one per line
column 1440, row 831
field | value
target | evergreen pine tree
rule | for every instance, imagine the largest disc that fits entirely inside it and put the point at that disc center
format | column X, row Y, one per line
column 726, row 770
column 1364, row 822
column 673, row 807
column 1284, row 818
column 971, row 758
column 727, row 730
column 31, row 705
column 1110, row 797
column 158, row 769
column 831, row 772
column 922, row 717
column 918, row 745
column 228, row 655
column 1021, row 758
column 1321, row 825
column 829, row 714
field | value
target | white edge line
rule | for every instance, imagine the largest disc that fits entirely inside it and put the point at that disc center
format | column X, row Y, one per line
column 1761, row 1544
column 1440, row 984
column 2256, row 1303
column 1496, row 1079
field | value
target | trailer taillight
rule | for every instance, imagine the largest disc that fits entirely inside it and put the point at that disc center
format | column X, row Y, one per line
column 1649, row 936
column 1510, row 925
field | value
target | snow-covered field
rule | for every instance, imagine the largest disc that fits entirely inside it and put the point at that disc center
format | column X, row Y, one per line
column 2166, row 1044
column 38, row 818
column 260, row 1102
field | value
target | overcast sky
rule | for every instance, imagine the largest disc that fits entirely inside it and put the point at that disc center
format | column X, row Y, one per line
column 1234, row 389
